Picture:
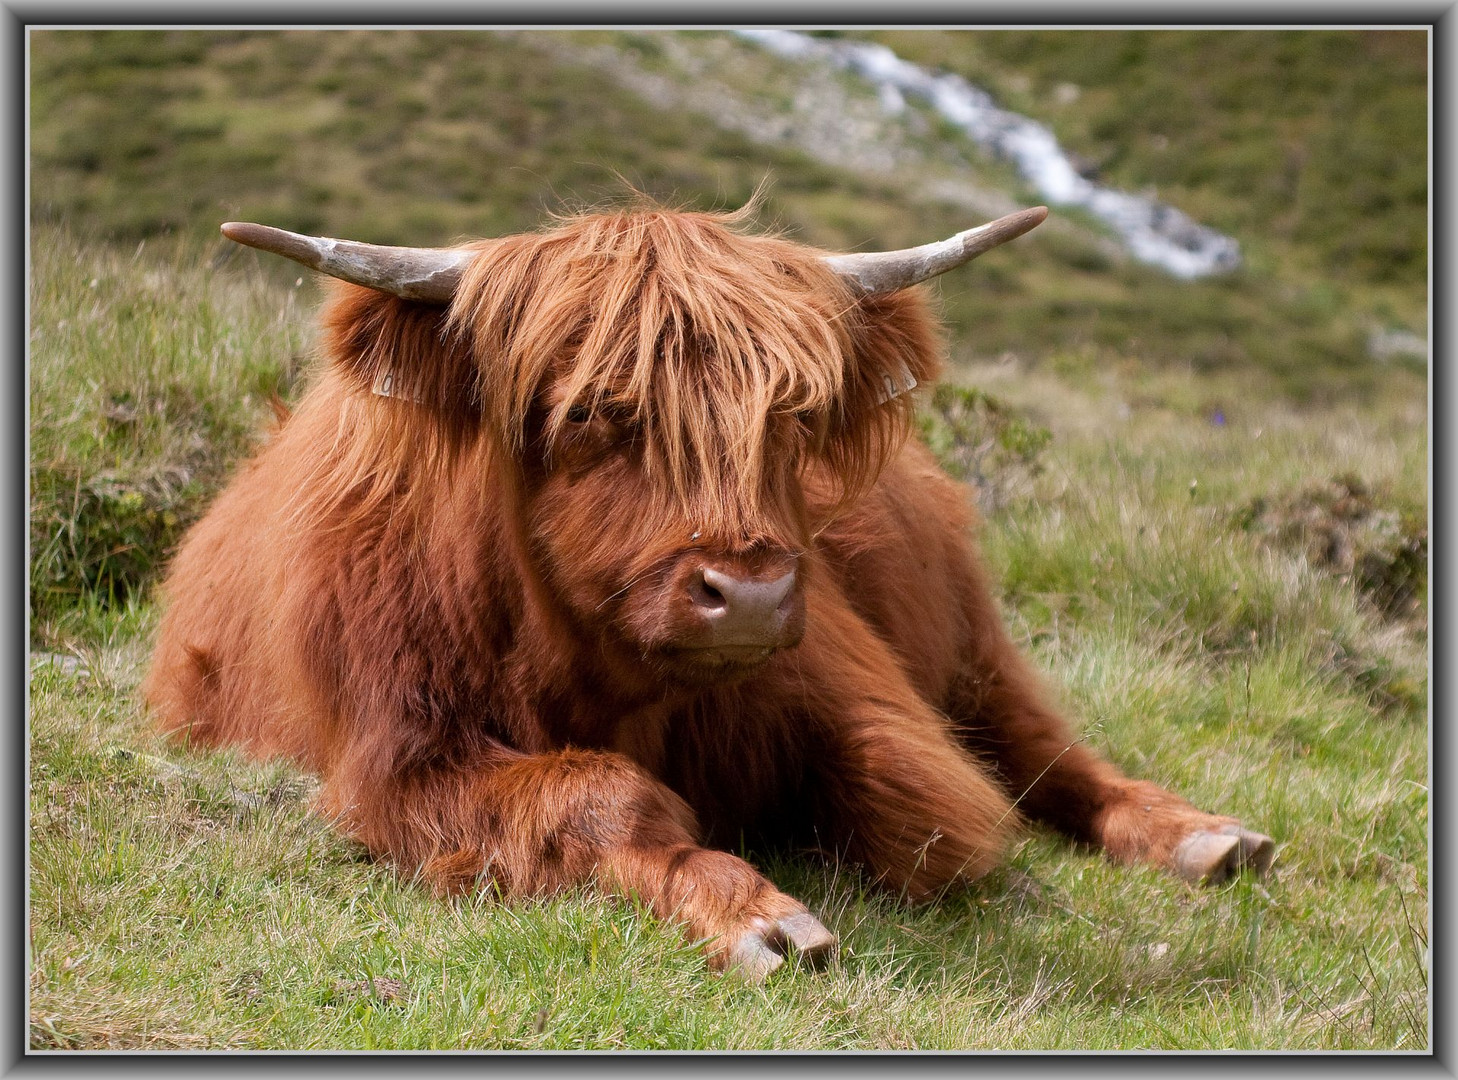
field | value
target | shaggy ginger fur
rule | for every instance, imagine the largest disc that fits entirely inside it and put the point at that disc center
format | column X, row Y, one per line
column 463, row 606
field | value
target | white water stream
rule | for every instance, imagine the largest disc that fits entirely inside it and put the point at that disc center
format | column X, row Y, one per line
column 1152, row 232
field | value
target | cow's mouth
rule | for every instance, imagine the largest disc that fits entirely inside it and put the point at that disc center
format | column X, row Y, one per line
column 715, row 663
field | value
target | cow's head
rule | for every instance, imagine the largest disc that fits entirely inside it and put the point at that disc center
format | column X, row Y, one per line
column 678, row 406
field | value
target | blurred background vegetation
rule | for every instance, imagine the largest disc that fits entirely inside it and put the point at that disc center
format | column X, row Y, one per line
column 1308, row 146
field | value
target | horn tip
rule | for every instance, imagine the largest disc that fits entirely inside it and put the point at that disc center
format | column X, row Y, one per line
column 1028, row 219
column 1014, row 225
column 242, row 232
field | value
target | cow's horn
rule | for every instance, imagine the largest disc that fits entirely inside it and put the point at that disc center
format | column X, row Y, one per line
column 428, row 274
column 886, row 271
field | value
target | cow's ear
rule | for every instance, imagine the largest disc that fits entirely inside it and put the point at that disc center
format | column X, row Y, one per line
column 401, row 349
column 899, row 346
column 896, row 346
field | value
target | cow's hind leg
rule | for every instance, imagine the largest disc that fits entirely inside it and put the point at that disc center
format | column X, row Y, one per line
column 533, row 825
column 1000, row 713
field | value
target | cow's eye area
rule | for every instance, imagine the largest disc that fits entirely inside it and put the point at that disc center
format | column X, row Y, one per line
column 583, row 420
column 588, row 432
column 814, row 422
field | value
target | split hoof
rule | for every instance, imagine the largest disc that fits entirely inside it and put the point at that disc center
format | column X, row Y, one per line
column 1213, row 857
column 766, row 945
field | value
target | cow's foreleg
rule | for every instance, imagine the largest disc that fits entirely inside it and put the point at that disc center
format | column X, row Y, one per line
column 1001, row 715
column 533, row 825
column 889, row 787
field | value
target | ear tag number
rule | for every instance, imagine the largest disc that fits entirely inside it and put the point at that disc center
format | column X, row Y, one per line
column 897, row 383
column 384, row 386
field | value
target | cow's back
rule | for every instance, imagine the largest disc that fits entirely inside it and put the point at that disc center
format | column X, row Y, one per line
column 201, row 685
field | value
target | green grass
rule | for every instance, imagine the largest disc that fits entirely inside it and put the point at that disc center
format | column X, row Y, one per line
column 184, row 901
column 1206, row 515
column 416, row 136
column 148, row 381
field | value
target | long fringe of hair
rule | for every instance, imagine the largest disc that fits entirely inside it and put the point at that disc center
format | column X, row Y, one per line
column 712, row 342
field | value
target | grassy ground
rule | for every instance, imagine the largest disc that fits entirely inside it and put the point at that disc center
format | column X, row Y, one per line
column 1209, row 528
column 180, row 900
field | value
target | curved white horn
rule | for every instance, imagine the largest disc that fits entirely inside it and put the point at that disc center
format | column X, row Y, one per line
column 427, row 274
column 886, row 271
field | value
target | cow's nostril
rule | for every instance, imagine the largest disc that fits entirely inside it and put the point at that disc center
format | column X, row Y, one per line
column 705, row 595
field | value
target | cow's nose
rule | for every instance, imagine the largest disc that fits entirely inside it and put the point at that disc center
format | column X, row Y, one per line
column 743, row 611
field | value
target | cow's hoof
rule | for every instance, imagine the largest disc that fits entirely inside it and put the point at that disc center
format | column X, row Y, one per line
column 1214, row 856
column 814, row 944
column 766, row 945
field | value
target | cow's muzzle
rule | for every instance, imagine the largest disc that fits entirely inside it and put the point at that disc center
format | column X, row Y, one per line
column 738, row 618
column 745, row 612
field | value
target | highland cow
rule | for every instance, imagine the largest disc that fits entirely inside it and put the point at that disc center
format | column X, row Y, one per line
column 595, row 552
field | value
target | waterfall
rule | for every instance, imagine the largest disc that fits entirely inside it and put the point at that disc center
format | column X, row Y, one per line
column 1151, row 231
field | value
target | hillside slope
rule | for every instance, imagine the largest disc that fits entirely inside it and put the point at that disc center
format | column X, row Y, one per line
column 421, row 137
